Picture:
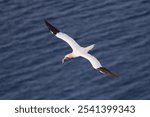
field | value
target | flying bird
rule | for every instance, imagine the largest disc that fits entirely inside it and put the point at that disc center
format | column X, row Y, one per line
column 78, row 51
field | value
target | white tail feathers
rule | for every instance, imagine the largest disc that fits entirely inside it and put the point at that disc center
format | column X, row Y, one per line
column 89, row 47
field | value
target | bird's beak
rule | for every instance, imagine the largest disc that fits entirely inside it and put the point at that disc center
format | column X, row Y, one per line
column 65, row 59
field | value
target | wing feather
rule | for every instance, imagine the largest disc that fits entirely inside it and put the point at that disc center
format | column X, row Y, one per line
column 95, row 63
column 73, row 44
column 108, row 72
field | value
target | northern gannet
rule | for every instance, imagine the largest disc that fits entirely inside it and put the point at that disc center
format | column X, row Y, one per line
column 78, row 51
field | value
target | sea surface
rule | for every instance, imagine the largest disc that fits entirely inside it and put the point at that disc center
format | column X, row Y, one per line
column 30, row 56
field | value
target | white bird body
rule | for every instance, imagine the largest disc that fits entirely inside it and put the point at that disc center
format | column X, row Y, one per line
column 78, row 51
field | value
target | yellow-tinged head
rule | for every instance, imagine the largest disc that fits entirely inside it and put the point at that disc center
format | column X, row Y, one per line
column 70, row 55
column 67, row 57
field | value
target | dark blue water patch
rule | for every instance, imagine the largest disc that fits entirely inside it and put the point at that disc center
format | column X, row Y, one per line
column 30, row 56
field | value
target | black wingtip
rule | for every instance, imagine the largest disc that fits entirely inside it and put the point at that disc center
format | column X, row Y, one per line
column 106, row 71
column 51, row 28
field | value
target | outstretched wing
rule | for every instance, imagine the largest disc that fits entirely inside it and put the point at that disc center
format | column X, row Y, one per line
column 95, row 63
column 73, row 44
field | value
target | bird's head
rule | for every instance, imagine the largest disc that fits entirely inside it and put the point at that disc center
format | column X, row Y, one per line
column 67, row 57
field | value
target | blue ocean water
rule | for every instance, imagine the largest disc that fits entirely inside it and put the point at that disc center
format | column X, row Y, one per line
column 30, row 57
